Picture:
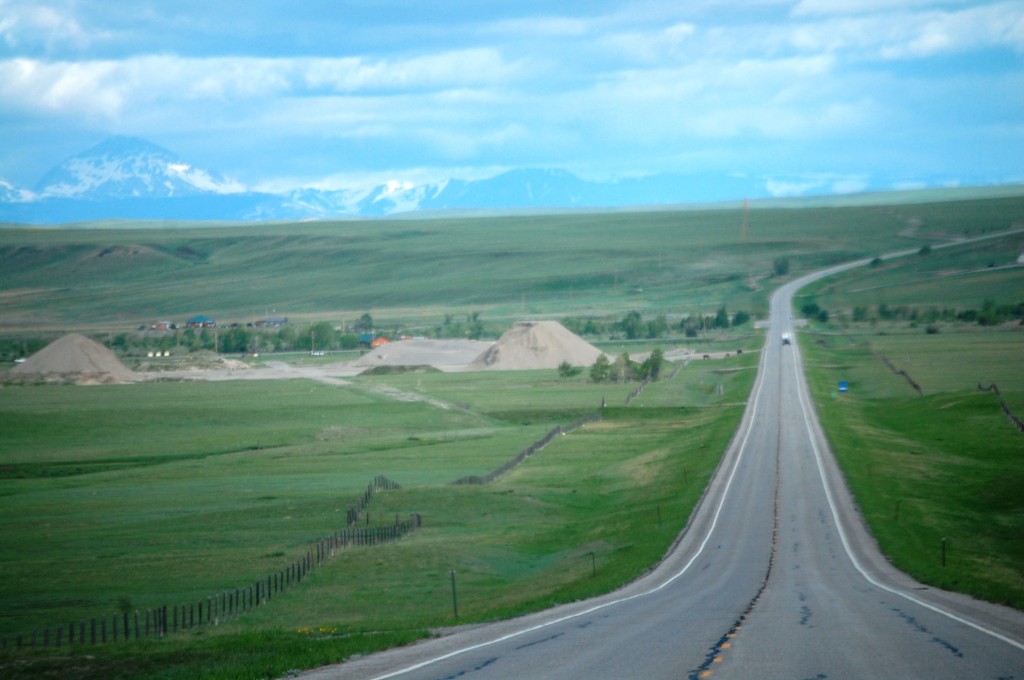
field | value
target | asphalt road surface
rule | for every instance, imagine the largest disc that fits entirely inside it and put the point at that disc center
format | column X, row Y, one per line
column 775, row 577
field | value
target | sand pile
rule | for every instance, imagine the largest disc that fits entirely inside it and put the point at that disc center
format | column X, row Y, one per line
column 74, row 359
column 536, row 344
column 441, row 354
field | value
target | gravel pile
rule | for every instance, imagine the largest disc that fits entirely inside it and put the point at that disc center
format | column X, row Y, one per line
column 73, row 359
column 531, row 345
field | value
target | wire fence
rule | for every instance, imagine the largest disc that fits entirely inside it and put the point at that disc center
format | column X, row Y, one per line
column 533, row 448
column 228, row 605
column 1006, row 409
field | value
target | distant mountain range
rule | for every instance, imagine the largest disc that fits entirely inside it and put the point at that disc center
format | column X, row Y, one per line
column 131, row 178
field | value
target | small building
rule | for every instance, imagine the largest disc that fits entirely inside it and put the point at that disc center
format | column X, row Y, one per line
column 273, row 322
column 200, row 321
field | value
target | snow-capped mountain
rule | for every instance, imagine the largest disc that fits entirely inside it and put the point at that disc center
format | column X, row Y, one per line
column 129, row 167
column 131, row 178
column 12, row 194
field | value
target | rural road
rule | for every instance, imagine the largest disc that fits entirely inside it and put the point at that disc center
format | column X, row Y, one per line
column 775, row 577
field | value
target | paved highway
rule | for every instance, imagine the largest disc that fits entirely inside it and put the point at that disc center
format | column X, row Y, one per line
column 776, row 577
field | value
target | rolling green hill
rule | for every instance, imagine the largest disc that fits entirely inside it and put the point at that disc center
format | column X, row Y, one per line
column 671, row 261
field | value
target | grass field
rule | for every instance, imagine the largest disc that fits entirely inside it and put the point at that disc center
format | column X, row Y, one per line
column 959, row 277
column 412, row 272
column 139, row 495
column 161, row 492
column 945, row 466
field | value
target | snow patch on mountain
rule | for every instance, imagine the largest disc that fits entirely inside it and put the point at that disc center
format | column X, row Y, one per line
column 128, row 167
column 12, row 194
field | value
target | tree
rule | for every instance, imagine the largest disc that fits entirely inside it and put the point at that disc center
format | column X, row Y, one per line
column 567, row 370
column 658, row 327
column 476, row 326
column 601, row 369
column 320, row 336
column 235, row 340
column 740, row 318
column 365, row 323
column 285, row 338
column 652, row 365
column 810, row 309
column 624, row 369
column 721, row 318
column 780, row 266
column 633, row 325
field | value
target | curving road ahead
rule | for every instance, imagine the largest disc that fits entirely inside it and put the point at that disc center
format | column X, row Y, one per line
column 775, row 577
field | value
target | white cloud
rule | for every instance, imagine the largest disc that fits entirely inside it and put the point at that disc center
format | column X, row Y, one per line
column 801, row 186
column 849, row 7
column 29, row 24
column 655, row 83
column 1000, row 25
column 891, row 30
column 541, row 26
column 110, row 88
column 90, row 89
column 446, row 69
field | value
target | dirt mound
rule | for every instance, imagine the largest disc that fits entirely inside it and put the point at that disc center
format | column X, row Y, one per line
column 441, row 354
column 74, row 359
column 536, row 344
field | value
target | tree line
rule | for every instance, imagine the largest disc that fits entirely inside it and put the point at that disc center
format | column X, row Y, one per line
column 633, row 326
column 989, row 314
column 622, row 369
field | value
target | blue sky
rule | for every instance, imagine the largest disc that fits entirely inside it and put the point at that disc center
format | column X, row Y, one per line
column 805, row 95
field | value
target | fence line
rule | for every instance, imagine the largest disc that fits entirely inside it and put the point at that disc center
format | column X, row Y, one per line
column 898, row 371
column 379, row 483
column 636, row 393
column 227, row 605
column 1018, row 423
column 892, row 367
column 527, row 452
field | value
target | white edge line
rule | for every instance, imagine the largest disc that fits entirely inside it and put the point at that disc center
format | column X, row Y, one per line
column 808, row 414
column 714, row 523
column 707, row 537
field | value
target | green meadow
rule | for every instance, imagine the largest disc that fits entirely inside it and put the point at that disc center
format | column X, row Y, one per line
column 95, row 529
column 125, row 497
column 939, row 475
column 413, row 271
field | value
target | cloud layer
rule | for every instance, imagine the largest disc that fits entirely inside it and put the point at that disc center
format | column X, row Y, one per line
column 794, row 91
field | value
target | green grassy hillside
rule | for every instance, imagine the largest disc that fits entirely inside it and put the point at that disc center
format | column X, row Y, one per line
column 940, row 463
column 672, row 261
